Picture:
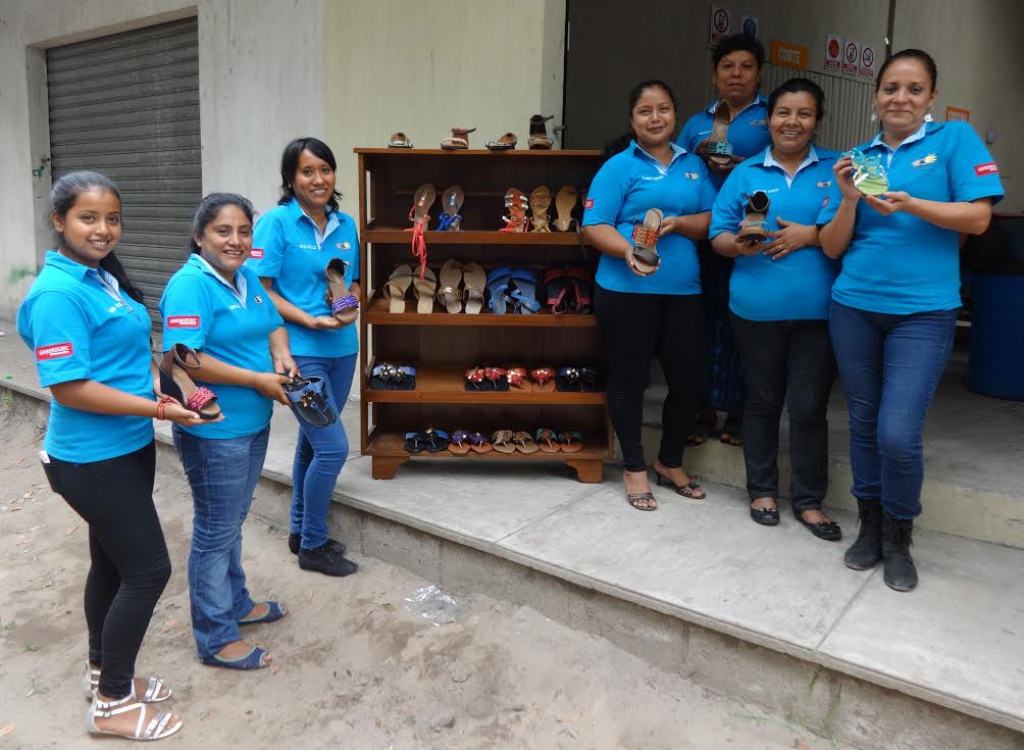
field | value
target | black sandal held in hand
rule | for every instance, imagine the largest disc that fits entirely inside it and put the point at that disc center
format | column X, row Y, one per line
column 308, row 399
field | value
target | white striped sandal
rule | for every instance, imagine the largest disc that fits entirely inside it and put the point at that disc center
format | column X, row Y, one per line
column 156, row 690
column 147, row 728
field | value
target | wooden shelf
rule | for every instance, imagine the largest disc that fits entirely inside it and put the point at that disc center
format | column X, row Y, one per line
column 377, row 314
column 393, row 445
column 516, row 153
column 437, row 384
column 391, row 236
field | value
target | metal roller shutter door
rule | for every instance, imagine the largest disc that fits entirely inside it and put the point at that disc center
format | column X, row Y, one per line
column 127, row 105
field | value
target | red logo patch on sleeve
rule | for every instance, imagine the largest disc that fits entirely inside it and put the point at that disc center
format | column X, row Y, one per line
column 988, row 168
column 589, row 203
column 256, row 252
column 54, row 351
column 183, row 321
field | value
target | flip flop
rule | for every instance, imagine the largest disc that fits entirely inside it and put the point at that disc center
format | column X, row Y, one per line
column 571, row 442
column 645, row 241
column 518, row 380
column 275, row 611
column 565, row 204
column 423, row 289
column 547, row 440
column 419, row 215
column 753, row 228
column 501, row 441
column 396, row 286
column 399, row 140
column 459, row 444
column 478, row 443
column 344, row 306
column 474, row 281
column 544, row 379
column 451, row 203
column 458, row 140
column 540, row 205
column 449, row 292
column 255, row 659
column 524, row 443
column 505, row 142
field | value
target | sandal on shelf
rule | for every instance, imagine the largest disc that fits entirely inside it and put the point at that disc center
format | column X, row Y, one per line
column 496, row 378
column 479, row 444
column 449, row 292
column 568, row 379
column 868, row 173
column 645, row 241
column 423, row 289
column 458, row 140
column 716, row 150
column 459, row 444
column 415, row 442
column 540, row 205
column 474, row 379
column 544, row 379
column 688, row 490
column 388, row 377
column 547, row 440
column 501, row 441
column 642, row 500
column 516, row 205
column 565, row 204
column 518, row 380
column 524, row 443
column 419, row 215
column 308, row 399
column 474, row 282
column 523, row 292
column 539, row 132
column 176, row 383
column 435, row 441
column 505, row 142
column 765, row 516
column 255, row 659
column 149, row 727
column 497, row 290
column 590, row 379
column 344, row 306
column 395, row 288
column 451, row 203
column 570, row 442
column 582, row 281
column 753, row 228
column 399, row 140
column 556, row 281
column 156, row 691
column 275, row 611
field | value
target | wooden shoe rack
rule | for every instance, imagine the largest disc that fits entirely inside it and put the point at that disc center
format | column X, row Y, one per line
column 443, row 345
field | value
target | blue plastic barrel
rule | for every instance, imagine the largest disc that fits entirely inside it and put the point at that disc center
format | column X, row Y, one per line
column 997, row 335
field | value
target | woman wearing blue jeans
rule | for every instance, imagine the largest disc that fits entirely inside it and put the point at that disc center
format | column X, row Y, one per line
column 292, row 246
column 894, row 305
column 216, row 306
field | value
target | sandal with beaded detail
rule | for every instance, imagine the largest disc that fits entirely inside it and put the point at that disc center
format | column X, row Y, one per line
column 147, row 728
column 178, row 384
column 544, row 379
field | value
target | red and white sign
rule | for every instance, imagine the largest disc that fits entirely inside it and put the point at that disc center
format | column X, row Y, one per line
column 851, row 57
column 54, row 351
column 867, row 61
column 719, row 23
column 256, row 252
column 833, row 52
column 183, row 321
column 987, row 168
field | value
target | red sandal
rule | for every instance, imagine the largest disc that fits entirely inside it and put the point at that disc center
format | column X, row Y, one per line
column 420, row 218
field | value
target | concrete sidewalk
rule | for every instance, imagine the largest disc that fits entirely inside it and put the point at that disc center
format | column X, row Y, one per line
column 954, row 643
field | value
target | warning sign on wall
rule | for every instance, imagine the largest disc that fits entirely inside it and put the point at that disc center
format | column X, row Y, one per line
column 719, row 23
column 867, row 61
column 833, row 52
column 851, row 57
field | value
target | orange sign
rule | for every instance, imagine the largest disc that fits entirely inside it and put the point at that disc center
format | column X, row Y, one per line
column 789, row 55
column 956, row 113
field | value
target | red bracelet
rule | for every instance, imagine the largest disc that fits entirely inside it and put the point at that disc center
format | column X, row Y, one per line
column 161, row 406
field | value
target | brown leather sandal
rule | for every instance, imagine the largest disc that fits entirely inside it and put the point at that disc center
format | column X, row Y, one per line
column 540, row 205
column 547, row 440
column 502, row 441
column 524, row 443
column 506, row 142
column 645, row 241
column 539, row 132
column 565, row 204
column 399, row 140
column 458, row 140
column 516, row 205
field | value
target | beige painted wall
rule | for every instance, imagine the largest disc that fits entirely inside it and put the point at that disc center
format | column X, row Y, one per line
column 465, row 63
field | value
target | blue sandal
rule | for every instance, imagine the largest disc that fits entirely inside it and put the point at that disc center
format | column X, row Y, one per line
column 255, row 659
column 497, row 290
column 524, row 292
column 275, row 611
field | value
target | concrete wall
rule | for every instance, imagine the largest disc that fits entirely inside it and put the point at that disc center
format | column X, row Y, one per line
column 460, row 63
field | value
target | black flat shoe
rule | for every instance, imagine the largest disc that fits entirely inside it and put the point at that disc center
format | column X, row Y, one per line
column 827, row 530
column 295, row 541
column 765, row 516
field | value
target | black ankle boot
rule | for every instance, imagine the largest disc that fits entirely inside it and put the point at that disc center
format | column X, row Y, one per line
column 865, row 553
column 295, row 542
column 325, row 560
column 897, row 565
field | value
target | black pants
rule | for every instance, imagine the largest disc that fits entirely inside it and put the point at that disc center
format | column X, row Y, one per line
column 786, row 361
column 637, row 327
column 130, row 566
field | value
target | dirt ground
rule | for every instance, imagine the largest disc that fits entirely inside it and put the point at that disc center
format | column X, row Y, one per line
column 357, row 669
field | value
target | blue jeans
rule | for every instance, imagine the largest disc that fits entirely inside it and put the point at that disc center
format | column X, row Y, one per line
column 320, row 452
column 223, row 475
column 890, row 366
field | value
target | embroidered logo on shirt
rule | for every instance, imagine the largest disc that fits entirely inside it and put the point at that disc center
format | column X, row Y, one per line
column 825, row 183
column 256, row 252
column 257, row 299
column 54, row 351
column 759, row 123
column 691, row 175
column 344, row 245
column 824, row 202
column 183, row 321
column 589, row 203
column 988, row 168
column 930, row 159
column 307, row 246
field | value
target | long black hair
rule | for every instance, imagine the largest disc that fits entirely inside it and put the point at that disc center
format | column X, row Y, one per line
column 208, row 209
column 290, row 163
column 619, row 144
column 63, row 196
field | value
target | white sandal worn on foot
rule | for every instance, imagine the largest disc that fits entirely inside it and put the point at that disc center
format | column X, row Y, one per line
column 156, row 690
column 157, row 728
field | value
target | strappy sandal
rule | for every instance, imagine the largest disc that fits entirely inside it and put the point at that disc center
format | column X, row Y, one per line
column 524, row 443
column 308, row 399
column 544, row 379
column 474, row 282
column 419, row 215
column 459, row 444
column 497, row 290
column 689, row 490
column 540, row 205
column 635, row 499
column 501, row 441
column 479, row 444
column 523, row 292
column 518, row 380
column 156, row 691
column 451, row 203
column 449, row 292
column 399, row 140
column 395, row 288
column 516, row 205
column 176, row 383
column 582, row 281
column 435, row 441
column 458, row 140
column 547, row 440
column 645, row 241
column 716, row 150
column 539, row 132
column 415, row 442
column 570, row 441
column 423, row 289
column 556, row 282
column 147, row 729
column 868, row 173
column 565, row 204
column 344, row 306
column 505, row 142
column 753, row 228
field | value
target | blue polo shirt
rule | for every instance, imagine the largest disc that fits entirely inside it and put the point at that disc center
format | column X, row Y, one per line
column 900, row 264
column 748, row 132
column 289, row 248
column 798, row 286
column 230, row 322
column 626, row 186
column 81, row 326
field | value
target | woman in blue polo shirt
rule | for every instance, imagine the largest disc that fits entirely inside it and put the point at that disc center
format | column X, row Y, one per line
column 736, row 64
column 218, row 307
column 778, row 298
column 894, row 305
column 292, row 245
column 659, row 313
column 90, row 333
